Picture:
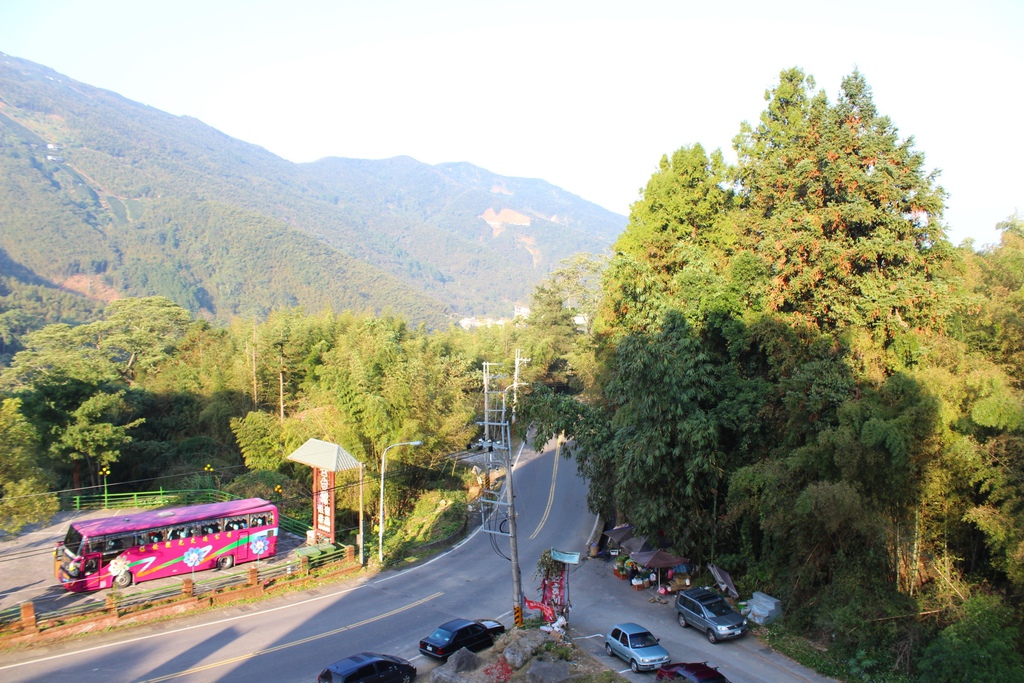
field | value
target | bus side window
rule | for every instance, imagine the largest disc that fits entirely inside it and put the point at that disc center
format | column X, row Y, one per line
column 91, row 565
column 258, row 520
column 113, row 546
column 211, row 527
column 236, row 523
column 156, row 535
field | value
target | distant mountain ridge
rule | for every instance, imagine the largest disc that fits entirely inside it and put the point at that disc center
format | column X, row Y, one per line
column 119, row 197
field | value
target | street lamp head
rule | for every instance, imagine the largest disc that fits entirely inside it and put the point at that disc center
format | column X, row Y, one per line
column 415, row 443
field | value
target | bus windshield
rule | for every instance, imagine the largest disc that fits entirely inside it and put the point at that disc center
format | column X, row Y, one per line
column 73, row 540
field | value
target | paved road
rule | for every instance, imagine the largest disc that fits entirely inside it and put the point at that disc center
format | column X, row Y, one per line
column 600, row 599
column 292, row 637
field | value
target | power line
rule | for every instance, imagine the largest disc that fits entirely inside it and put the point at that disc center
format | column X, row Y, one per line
column 459, row 456
column 117, row 483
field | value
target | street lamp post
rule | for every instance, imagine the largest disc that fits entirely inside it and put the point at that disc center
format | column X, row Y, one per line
column 105, row 472
column 383, row 463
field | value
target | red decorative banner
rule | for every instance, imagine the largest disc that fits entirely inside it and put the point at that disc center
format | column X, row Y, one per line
column 553, row 589
column 547, row 610
column 553, row 592
column 323, row 505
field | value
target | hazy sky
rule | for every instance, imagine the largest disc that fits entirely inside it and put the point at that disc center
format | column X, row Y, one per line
column 586, row 95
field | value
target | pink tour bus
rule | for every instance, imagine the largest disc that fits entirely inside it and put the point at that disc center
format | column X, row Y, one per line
column 98, row 553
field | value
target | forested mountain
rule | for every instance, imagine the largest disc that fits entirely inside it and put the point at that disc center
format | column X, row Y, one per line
column 111, row 198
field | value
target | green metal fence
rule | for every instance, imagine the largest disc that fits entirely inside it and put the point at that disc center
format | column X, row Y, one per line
column 142, row 499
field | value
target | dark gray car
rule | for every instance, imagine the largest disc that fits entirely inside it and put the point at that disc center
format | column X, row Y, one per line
column 709, row 612
column 369, row 667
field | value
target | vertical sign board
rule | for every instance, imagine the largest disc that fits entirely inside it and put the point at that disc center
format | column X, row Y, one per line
column 323, row 504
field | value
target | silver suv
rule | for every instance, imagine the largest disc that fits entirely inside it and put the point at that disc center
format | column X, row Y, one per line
column 709, row 612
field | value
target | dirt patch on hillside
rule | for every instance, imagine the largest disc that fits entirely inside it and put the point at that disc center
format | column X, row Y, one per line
column 91, row 286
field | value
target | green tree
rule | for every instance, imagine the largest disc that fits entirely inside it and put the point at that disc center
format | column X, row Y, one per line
column 96, row 432
column 683, row 204
column 996, row 325
column 382, row 383
column 138, row 334
column 667, row 389
column 841, row 213
column 259, row 438
column 23, row 484
column 550, row 337
column 674, row 246
column 557, row 336
column 981, row 646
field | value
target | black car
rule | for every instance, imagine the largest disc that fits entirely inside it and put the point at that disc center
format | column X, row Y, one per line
column 369, row 667
column 456, row 634
column 710, row 613
column 690, row 672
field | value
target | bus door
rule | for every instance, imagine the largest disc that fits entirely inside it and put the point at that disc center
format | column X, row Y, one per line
column 94, row 571
column 239, row 528
column 242, row 551
column 83, row 573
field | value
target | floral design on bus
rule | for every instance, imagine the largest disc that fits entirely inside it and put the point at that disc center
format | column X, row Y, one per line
column 258, row 544
column 117, row 566
column 193, row 557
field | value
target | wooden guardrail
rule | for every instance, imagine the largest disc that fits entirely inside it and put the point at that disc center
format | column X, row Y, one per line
column 22, row 623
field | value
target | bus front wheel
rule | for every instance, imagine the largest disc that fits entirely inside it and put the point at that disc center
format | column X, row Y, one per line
column 123, row 580
column 225, row 561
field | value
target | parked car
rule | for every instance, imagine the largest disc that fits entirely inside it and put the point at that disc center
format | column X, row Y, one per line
column 456, row 634
column 710, row 613
column 636, row 645
column 690, row 672
column 369, row 667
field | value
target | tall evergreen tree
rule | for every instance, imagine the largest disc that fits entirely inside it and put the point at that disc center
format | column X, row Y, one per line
column 842, row 213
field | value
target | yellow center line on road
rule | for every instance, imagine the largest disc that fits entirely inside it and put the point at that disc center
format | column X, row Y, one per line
column 284, row 646
column 551, row 493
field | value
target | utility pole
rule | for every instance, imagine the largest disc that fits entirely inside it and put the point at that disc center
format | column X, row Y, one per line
column 489, row 419
column 517, row 579
column 504, row 425
column 513, row 542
